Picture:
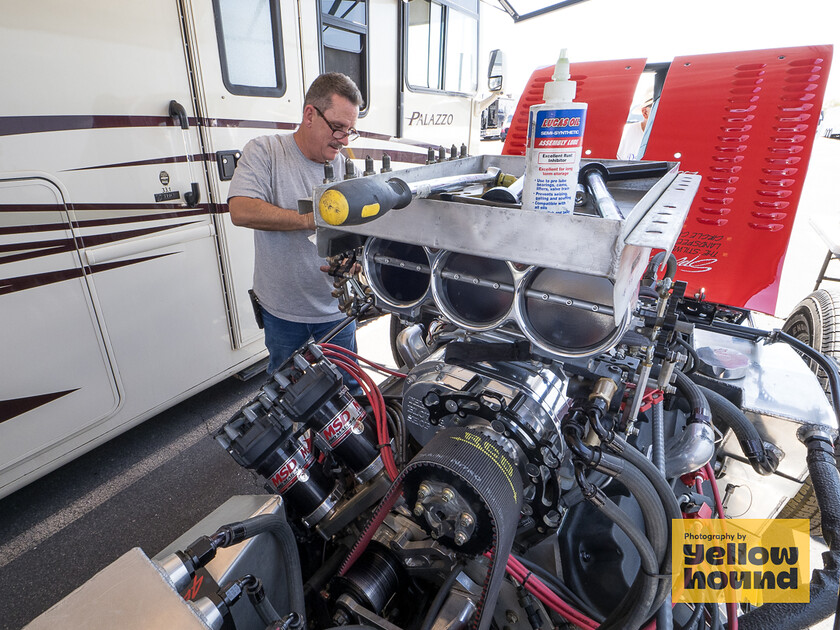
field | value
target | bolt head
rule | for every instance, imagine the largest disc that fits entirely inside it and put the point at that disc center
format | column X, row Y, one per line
column 423, row 491
column 447, row 495
column 466, row 519
column 461, row 538
column 419, row 509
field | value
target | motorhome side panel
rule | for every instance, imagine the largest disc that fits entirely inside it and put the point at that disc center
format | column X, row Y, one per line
column 116, row 247
column 244, row 90
column 112, row 300
column 53, row 359
column 440, row 68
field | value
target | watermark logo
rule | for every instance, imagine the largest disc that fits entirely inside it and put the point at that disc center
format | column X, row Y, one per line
column 741, row 560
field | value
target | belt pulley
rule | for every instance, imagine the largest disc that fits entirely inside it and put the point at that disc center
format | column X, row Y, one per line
column 481, row 467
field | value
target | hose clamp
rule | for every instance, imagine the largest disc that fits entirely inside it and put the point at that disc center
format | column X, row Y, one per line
column 809, row 432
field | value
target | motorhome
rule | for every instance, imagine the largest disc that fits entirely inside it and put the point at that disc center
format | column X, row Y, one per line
column 123, row 283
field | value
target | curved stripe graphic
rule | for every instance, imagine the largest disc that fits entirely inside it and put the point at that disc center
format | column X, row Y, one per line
column 17, row 406
column 20, row 283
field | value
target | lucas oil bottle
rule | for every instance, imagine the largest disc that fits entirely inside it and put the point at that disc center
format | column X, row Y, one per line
column 555, row 141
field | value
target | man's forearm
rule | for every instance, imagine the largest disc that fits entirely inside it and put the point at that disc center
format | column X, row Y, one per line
column 261, row 215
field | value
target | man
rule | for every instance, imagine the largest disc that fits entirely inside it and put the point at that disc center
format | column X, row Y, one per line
column 631, row 138
column 272, row 174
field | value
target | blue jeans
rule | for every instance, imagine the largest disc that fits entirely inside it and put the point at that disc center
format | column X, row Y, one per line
column 283, row 338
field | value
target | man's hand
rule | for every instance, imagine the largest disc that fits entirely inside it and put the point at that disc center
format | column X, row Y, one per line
column 342, row 266
column 350, row 288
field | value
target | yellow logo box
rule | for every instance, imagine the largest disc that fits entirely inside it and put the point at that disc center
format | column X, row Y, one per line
column 741, row 560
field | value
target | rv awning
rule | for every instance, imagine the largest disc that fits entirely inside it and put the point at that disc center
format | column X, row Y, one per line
column 521, row 10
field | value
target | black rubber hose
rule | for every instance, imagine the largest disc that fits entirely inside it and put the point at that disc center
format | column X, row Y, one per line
column 326, row 571
column 663, row 490
column 694, row 620
column 665, row 494
column 560, row 587
column 728, row 416
column 826, row 363
column 573, row 431
column 266, row 611
column 656, row 261
column 649, row 292
column 825, row 582
column 695, row 358
column 640, row 611
column 826, row 480
column 714, row 615
column 282, row 532
column 652, row 496
column 699, row 406
column 665, row 613
column 440, row 598
column 657, row 530
column 656, row 523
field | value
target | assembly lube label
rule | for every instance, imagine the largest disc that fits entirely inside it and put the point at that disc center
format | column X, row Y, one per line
column 553, row 159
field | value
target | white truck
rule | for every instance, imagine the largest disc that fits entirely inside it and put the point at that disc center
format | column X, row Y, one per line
column 123, row 283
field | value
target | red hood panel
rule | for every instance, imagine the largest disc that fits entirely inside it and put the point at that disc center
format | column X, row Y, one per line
column 746, row 122
column 606, row 86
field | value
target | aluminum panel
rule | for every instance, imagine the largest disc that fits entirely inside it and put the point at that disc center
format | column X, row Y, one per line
column 780, row 393
column 130, row 594
column 582, row 243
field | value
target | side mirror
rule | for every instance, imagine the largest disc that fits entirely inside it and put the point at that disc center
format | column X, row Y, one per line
column 496, row 71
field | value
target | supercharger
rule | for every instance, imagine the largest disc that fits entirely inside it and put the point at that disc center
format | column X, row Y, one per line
column 560, row 404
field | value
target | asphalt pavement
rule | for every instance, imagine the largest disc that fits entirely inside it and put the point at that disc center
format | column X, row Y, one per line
column 141, row 489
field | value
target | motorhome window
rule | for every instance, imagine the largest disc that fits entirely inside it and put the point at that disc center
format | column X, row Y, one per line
column 344, row 32
column 442, row 45
column 250, row 46
column 461, row 71
column 425, row 44
column 353, row 10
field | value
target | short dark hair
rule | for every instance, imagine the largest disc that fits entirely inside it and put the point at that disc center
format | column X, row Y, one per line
column 323, row 88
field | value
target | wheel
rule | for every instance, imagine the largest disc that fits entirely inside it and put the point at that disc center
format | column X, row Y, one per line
column 815, row 321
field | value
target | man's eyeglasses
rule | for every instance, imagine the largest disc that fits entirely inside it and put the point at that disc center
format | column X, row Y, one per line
column 337, row 132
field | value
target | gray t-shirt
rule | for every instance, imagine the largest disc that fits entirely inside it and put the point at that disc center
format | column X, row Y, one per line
column 287, row 276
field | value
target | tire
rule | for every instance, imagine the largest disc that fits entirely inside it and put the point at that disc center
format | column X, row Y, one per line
column 815, row 321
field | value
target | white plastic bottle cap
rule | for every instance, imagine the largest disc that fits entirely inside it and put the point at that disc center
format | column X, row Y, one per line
column 560, row 88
